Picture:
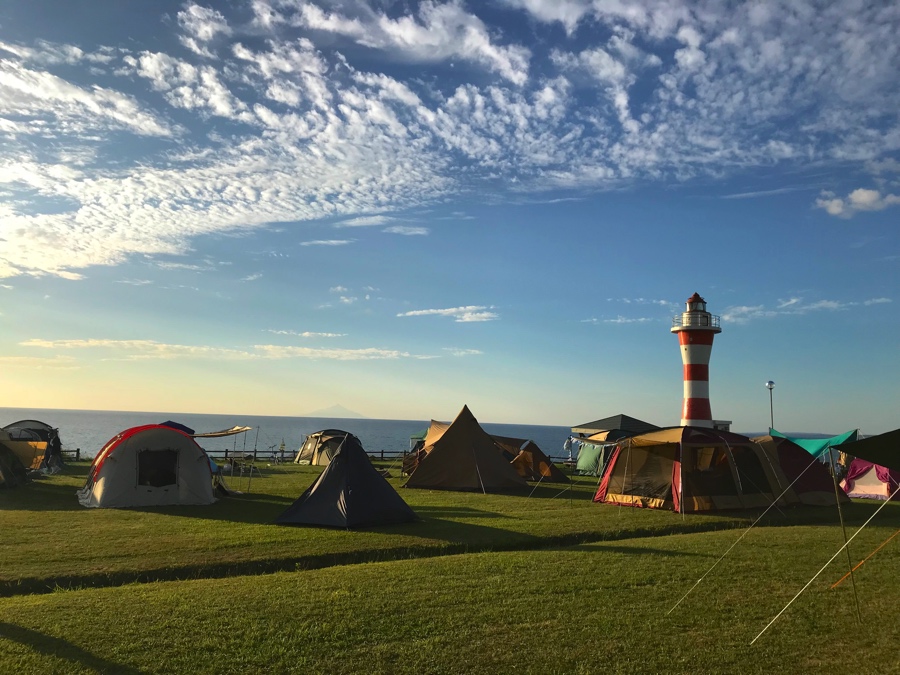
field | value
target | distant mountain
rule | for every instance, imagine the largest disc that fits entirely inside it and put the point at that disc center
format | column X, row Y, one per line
column 335, row 411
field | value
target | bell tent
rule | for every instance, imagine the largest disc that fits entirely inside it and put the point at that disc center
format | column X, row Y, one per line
column 349, row 493
column 462, row 456
column 691, row 469
column 319, row 447
column 151, row 465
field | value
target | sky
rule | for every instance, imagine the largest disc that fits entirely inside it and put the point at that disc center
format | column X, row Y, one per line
column 276, row 206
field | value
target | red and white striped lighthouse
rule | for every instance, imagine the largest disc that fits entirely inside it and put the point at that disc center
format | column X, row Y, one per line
column 696, row 328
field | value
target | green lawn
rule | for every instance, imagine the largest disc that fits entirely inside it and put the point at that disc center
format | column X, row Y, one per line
column 550, row 583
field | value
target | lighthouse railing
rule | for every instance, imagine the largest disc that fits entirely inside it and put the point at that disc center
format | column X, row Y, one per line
column 700, row 320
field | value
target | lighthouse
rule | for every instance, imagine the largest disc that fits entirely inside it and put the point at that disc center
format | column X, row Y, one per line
column 696, row 328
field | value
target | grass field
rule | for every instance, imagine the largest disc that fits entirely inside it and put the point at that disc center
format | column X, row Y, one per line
column 547, row 583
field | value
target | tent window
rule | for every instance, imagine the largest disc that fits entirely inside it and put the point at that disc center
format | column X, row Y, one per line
column 157, row 468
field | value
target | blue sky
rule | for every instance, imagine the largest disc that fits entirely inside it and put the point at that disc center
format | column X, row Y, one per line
column 276, row 206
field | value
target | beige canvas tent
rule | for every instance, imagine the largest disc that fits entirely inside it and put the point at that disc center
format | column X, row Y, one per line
column 151, row 465
column 462, row 456
column 690, row 469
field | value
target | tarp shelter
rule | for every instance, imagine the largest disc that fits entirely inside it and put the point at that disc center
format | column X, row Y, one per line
column 12, row 472
column 33, row 441
column 463, row 456
column 818, row 447
column 529, row 460
column 595, row 451
column 809, row 479
column 349, row 493
column 691, row 469
column 151, row 465
column 883, row 449
column 865, row 480
column 318, row 448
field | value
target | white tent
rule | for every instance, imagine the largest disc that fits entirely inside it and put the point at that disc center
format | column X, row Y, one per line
column 152, row 465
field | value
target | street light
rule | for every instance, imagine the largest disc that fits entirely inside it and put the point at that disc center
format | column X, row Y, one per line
column 770, row 386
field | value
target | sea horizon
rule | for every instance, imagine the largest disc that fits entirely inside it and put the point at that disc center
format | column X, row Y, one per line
column 88, row 430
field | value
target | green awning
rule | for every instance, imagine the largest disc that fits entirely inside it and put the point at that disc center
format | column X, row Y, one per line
column 817, row 446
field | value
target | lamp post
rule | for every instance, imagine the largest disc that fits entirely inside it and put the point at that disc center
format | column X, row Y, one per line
column 770, row 386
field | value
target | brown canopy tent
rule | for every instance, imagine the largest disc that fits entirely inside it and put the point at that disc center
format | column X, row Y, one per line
column 462, row 456
column 529, row 460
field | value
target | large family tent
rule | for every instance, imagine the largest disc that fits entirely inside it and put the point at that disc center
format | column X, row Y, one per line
column 462, row 456
column 529, row 460
column 319, row 447
column 595, row 450
column 691, row 469
column 151, row 465
column 349, row 493
column 808, row 478
column 31, row 440
column 12, row 472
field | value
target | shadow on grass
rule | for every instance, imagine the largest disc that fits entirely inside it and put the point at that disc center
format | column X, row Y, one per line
column 61, row 649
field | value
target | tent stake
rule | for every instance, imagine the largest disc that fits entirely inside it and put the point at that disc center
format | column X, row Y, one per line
column 863, row 561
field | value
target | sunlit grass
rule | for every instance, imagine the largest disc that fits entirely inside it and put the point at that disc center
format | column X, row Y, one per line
column 550, row 583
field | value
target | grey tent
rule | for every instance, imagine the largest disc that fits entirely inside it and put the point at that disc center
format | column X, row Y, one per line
column 319, row 447
column 12, row 472
column 349, row 493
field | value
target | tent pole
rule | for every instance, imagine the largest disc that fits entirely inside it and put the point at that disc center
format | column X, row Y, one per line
column 844, row 531
column 826, row 565
column 478, row 471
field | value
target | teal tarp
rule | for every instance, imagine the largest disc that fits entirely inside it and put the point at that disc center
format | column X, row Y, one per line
column 818, row 446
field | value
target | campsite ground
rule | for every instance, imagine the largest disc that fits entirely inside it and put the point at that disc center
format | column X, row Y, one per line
column 548, row 583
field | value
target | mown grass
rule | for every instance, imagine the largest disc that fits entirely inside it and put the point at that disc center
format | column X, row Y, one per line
column 527, row 597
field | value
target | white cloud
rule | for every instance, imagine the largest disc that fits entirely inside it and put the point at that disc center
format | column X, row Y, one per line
column 441, row 31
column 472, row 313
column 406, row 230
column 294, row 125
column 463, row 352
column 793, row 306
column 201, row 24
column 364, row 221
column 142, row 350
column 860, row 199
column 327, row 242
column 307, row 334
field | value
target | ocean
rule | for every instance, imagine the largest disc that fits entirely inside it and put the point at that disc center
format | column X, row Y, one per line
column 89, row 430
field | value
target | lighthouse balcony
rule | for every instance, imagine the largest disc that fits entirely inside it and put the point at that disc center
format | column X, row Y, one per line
column 689, row 320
